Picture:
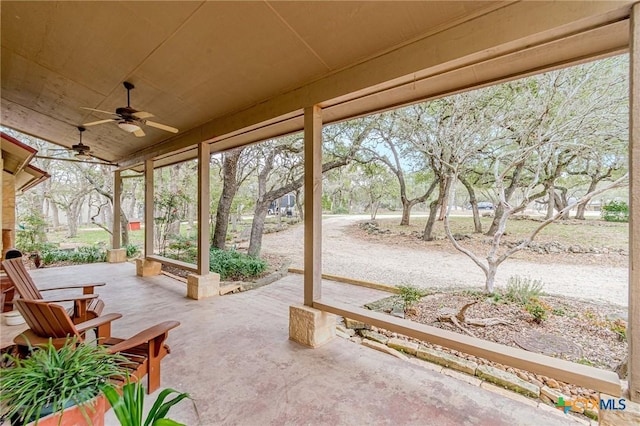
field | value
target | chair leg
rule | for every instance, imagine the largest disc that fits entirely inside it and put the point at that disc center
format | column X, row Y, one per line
column 153, row 365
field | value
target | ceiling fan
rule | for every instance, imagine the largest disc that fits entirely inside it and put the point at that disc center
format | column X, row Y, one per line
column 82, row 152
column 130, row 119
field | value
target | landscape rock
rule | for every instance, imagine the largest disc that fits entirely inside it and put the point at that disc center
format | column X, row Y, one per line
column 403, row 345
column 376, row 337
column 552, row 383
column 345, row 330
column 355, row 325
column 384, row 348
column 507, row 380
column 447, row 360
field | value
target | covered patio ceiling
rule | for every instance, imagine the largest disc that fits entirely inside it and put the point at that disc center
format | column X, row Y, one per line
column 238, row 72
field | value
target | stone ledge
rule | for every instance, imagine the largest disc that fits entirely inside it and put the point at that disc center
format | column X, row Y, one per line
column 629, row 416
column 472, row 380
column 508, row 394
column 507, row 380
column 384, row 348
column 403, row 345
column 376, row 337
column 447, row 360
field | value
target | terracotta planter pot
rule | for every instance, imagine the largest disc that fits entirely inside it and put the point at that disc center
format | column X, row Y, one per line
column 73, row 416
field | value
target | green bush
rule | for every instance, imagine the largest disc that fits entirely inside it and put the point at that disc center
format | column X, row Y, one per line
column 522, row 289
column 89, row 254
column 615, row 211
column 537, row 310
column 410, row 294
column 132, row 250
column 232, row 265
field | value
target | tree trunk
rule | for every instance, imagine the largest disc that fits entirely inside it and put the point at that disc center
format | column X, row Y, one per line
column 406, row 212
column 515, row 179
column 427, row 235
column 257, row 228
column 229, row 189
column 124, row 228
column 474, row 204
column 490, row 277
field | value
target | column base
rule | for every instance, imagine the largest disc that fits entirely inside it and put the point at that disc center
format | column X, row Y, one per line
column 116, row 255
column 311, row 327
column 618, row 411
column 203, row 286
column 147, row 268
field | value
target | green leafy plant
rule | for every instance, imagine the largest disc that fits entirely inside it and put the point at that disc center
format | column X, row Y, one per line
column 231, row 264
column 619, row 326
column 88, row 254
column 522, row 289
column 615, row 211
column 410, row 295
column 129, row 407
column 30, row 235
column 132, row 250
column 537, row 310
column 52, row 379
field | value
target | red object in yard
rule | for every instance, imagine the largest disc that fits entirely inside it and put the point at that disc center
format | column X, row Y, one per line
column 134, row 226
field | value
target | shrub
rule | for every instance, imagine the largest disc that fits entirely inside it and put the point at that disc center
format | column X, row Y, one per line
column 89, row 254
column 233, row 265
column 537, row 310
column 522, row 289
column 132, row 250
column 615, row 211
column 410, row 294
column 619, row 327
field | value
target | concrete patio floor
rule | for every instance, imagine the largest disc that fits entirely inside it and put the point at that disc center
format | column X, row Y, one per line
column 233, row 355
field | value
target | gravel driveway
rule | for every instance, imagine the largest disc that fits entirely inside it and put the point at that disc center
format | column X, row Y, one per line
column 350, row 257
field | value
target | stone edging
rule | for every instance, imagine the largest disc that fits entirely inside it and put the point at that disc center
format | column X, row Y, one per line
column 487, row 377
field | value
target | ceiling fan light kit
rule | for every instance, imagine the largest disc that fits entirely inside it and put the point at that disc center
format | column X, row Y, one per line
column 129, row 119
column 128, row 126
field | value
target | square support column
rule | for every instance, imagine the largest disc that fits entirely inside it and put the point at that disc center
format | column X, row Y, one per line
column 204, row 203
column 203, row 286
column 311, row 327
column 116, row 254
column 117, row 214
column 308, row 326
column 312, row 204
column 634, row 206
column 148, row 207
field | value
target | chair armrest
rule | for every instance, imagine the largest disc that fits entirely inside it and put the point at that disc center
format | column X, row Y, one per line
column 144, row 336
column 88, row 288
column 85, row 297
column 97, row 322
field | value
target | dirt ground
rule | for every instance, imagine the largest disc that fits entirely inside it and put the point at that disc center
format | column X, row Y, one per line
column 348, row 252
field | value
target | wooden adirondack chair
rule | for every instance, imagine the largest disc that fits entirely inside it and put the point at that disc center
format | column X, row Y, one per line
column 51, row 322
column 85, row 307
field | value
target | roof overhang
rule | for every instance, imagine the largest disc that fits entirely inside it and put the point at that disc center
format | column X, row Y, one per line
column 15, row 161
column 233, row 73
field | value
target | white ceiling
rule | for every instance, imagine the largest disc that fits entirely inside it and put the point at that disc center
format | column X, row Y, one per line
column 241, row 71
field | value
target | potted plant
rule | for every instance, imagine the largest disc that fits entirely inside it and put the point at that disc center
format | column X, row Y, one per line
column 52, row 385
column 128, row 405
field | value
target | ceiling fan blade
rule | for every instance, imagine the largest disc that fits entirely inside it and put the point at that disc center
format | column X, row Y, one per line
column 142, row 115
column 93, row 123
column 139, row 133
column 98, row 110
column 161, row 126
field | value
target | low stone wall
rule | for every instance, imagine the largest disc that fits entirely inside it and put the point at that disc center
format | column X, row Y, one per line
column 498, row 379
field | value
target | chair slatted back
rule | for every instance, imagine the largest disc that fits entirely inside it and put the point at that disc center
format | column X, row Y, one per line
column 47, row 319
column 21, row 279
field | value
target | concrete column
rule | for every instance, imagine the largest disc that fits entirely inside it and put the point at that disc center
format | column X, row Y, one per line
column 116, row 254
column 312, row 204
column 205, row 283
column 117, row 195
column 148, row 207
column 204, row 203
column 309, row 326
column 634, row 206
